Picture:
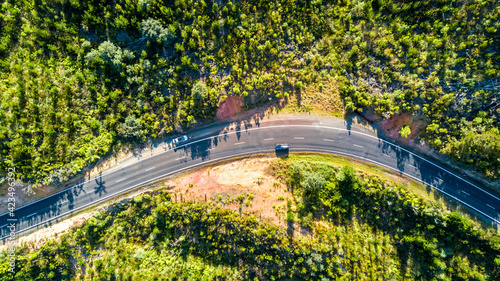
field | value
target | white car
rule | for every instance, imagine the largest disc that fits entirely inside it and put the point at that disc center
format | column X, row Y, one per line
column 180, row 139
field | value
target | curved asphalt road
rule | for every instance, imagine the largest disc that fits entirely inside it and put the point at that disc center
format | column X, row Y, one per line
column 217, row 142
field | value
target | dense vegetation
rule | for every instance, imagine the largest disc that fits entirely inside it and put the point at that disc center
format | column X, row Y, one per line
column 439, row 59
column 354, row 227
column 430, row 242
column 78, row 77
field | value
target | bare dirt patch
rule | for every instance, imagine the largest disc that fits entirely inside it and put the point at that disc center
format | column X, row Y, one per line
column 248, row 179
column 393, row 125
column 229, row 107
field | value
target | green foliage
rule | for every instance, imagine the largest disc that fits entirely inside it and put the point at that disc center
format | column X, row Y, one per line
column 366, row 228
column 73, row 71
column 405, row 131
column 170, row 240
column 404, row 57
column 131, row 128
column 199, row 92
column 429, row 241
column 107, row 54
column 153, row 30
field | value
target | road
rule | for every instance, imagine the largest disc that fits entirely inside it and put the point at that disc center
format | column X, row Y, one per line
column 217, row 142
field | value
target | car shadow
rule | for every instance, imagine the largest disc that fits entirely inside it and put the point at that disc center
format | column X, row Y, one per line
column 282, row 153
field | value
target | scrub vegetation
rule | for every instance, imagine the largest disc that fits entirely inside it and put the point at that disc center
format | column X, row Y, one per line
column 80, row 78
column 341, row 225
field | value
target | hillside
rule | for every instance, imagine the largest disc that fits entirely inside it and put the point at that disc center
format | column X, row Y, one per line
column 80, row 79
column 337, row 224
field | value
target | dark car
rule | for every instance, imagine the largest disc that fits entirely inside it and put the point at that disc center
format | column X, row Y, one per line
column 282, row 146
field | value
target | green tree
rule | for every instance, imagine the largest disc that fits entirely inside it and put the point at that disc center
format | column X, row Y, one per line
column 107, row 54
column 131, row 128
column 199, row 92
column 152, row 30
column 405, row 131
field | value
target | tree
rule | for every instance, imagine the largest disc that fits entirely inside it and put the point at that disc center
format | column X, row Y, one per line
column 312, row 181
column 405, row 131
column 131, row 128
column 108, row 54
column 199, row 92
column 153, row 30
column 330, row 195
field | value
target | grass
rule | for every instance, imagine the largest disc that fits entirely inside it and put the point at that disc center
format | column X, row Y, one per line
column 412, row 185
column 360, row 166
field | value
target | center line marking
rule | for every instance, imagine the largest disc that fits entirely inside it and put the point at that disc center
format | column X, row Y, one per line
column 150, row 169
column 386, row 155
column 412, row 166
column 490, row 206
column 181, row 158
column 328, row 140
column 239, row 143
column 465, row 192
column 269, row 139
column 31, row 215
column 298, row 138
column 62, row 202
column 120, row 180
column 357, row 145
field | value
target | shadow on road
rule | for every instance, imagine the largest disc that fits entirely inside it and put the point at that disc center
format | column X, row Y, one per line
column 100, row 188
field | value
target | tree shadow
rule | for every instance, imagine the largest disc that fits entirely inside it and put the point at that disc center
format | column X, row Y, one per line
column 198, row 150
column 402, row 157
column 290, row 229
column 238, row 130
column 215, row 141
column 298, row 96
column 100, row 188
column 348, row 123
column 73, row 193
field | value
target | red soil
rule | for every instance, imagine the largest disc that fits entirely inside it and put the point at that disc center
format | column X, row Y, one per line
column 229, row 107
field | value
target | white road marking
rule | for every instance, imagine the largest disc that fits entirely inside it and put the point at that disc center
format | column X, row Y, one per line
column 269, row 139
column 386, row 155
column 408, row 175
column 412, row 166
column 261, row 128
column 221, row 158
column 121, row 179
column 328, row 140
column 62, row 202
column 149, row 169
column 271, row 127
column 181, row 158
column 238, row 143
column 358, row 146
column 298, row 138
column 490, row 206
column 465, row 192
column 31, row 215
column 208, row 149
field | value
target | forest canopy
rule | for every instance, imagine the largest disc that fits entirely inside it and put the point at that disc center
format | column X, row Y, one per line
column 79, row 78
